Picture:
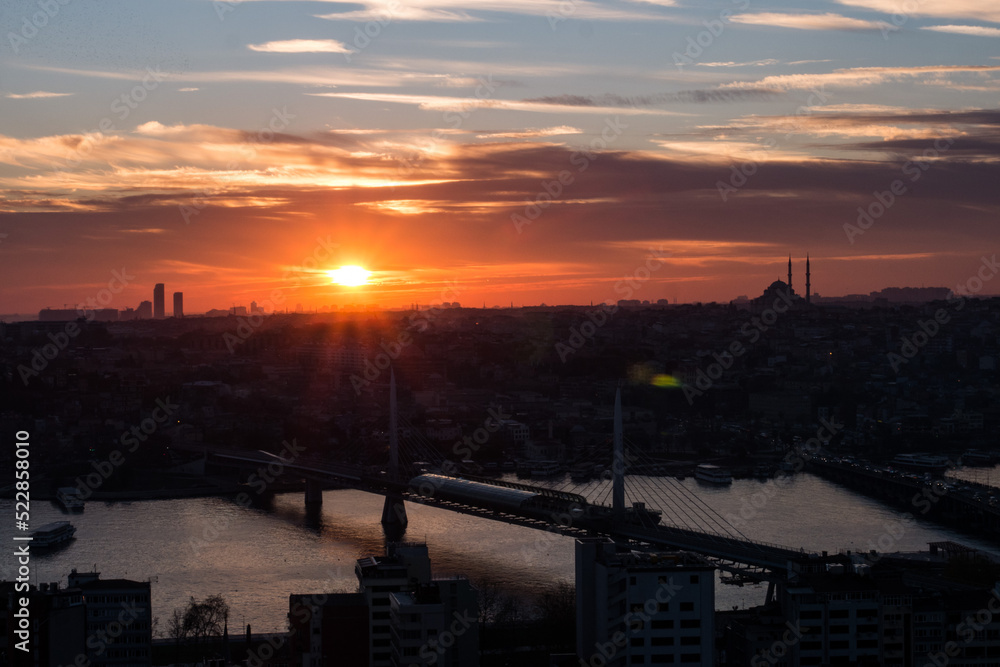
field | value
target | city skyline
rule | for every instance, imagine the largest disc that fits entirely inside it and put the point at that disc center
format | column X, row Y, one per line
column 538, row 152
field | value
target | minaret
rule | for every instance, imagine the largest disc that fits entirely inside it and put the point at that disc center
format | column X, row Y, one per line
column 789, row 273
column 807, row 278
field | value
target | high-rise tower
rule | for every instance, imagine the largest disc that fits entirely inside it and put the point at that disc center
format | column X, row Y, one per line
column 789, row 273
column 159, row 310
column 178, row 304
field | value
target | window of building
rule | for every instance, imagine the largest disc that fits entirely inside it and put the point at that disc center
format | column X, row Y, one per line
column 687, row 606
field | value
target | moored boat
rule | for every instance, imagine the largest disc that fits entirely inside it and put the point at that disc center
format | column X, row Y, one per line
column 712, row 474
column 52, row 534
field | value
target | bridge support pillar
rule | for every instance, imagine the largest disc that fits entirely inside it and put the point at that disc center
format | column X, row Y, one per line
column 770, row 592
column 394, row 511
column 314, row 494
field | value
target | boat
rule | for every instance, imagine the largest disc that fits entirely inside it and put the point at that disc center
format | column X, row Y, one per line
column 977, row 458
column 52, row 534
column 69, row 497
column 544, row 468
column 711, row 474
column 922, row 462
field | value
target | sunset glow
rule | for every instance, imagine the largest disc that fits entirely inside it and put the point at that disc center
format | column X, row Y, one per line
column 350, row 276
column 474, row 143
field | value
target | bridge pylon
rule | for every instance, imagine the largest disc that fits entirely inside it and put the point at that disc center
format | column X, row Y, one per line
column 393, row 511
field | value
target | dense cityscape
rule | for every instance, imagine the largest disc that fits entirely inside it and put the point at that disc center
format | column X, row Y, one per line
column 499, row 333
column 887, row 398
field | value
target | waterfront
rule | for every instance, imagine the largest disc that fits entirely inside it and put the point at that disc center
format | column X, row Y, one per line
column 256, row 557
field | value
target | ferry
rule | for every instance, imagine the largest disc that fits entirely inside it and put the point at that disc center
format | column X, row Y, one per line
column 976, row 457
column 52, row 534
column 544, row 468
column 706, row 472
column 922, row 462
column 69, row 498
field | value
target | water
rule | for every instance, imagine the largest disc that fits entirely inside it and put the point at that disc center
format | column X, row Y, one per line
column 256, row 557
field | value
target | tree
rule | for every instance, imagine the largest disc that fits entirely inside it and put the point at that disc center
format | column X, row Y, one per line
column 199, row 620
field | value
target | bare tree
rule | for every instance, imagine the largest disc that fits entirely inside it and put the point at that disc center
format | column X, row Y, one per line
column 199, row 620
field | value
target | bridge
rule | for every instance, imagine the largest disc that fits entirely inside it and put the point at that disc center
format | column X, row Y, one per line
column 664, row 514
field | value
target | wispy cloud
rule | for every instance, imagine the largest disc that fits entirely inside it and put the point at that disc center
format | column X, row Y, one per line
column 449, row 11
column 982, row 10
column 531, row 132
column 38, row 94
column 544, row 105
column 828, row 21
column 684, row 96
column 301, row 46
column 972, row 30
column 855, row 77
column 751, row 63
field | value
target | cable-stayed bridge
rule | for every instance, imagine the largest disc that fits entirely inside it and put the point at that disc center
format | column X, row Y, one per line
column 655, row 512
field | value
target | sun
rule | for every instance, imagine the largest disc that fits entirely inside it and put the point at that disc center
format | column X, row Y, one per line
column 350, row 276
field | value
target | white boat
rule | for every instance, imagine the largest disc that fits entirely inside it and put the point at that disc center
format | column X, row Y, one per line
column 922, row 462
column 69, row 497
column 52, row 534
column 706, row 472
column 544, row 468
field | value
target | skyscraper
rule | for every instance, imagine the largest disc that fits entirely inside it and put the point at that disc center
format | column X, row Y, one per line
column 159, row 311
column 178, row 304
column 144, row 311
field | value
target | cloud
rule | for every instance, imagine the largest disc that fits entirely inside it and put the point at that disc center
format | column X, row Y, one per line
column 972, row 30
column 462, row 104
column 466, row 11
column 981, row 10
column 826, row 21
column 684, row 96
column 301, row 46
column 531, row 132
column 855, row 77
column 38, row 94
column 187, row 90
column 752, row 63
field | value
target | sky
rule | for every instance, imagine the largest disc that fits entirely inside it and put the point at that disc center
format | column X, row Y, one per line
column 486, row 152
